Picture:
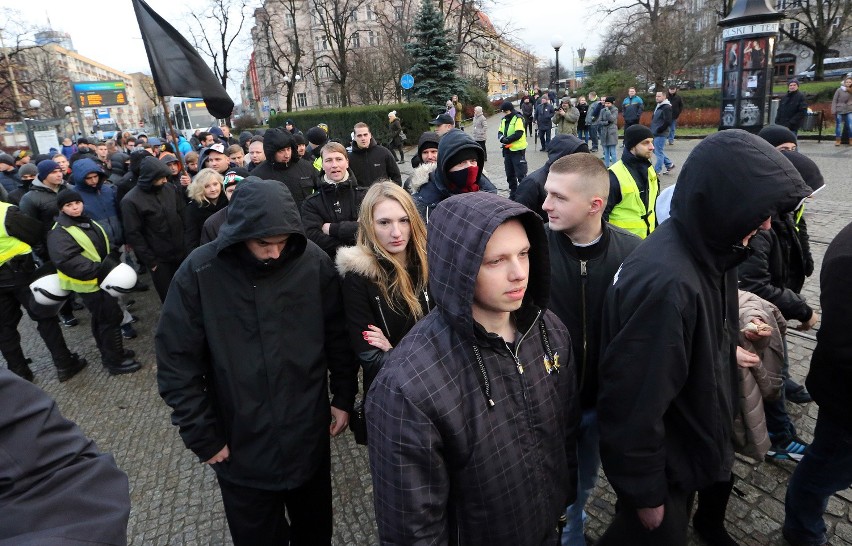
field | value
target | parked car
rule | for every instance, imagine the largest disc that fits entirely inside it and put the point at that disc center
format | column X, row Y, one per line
column 836, row 67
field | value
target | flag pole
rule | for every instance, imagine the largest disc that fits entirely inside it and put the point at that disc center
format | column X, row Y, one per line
column 168, row 117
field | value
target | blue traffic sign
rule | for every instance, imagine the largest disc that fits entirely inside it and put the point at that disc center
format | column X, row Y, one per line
column 406, row 81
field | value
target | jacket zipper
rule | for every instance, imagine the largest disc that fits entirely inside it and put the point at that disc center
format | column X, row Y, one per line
column 584, row 278
column 426, row 297
column 382, row 314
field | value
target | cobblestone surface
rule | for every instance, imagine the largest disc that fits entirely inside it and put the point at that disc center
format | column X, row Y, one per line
column 176, row 499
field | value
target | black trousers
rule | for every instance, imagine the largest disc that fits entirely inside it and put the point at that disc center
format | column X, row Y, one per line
column 626, row 528
column 11, row 300
column 256, row 517
column 162, row 277
column 106, row 325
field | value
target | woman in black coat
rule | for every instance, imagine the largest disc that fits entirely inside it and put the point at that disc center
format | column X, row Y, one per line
column 396, row 140
column 206, row 197
column 384, row 277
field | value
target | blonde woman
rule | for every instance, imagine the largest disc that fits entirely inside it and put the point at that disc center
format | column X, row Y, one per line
column 206, row 197
column 384, row 278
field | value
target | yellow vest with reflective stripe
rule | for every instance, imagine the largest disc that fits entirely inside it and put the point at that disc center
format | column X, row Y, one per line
column 9, row 246
column 517, row 125
column 318, row 163
column 630, row 213
column 89, row 252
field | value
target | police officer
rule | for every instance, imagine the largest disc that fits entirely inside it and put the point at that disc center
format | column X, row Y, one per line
column 633, row 184
column 513, row 137
column 18, row 232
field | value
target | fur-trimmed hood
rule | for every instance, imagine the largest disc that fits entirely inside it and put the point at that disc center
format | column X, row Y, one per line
column 420, row 175
column 353, row 259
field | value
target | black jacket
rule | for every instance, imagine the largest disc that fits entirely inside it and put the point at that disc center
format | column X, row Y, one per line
column 338, row 205
column 67, row 254
column 668, row 381
column 791, row 110
column 40, row 203
column 448, row 466
column 531, row 189
column 194, row 217
column 373, row 163
column 677, row 104
column 153, row 217
column 577, row 293
column 244, row 347
column 775, row 270
column 58, row 488
column 129, row 179
column 16, row 271
column 830, row 377
column 298, row 175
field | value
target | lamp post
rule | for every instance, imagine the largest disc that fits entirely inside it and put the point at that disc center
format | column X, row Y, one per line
column 68, row 111
column 556, row 42
column 582, row 54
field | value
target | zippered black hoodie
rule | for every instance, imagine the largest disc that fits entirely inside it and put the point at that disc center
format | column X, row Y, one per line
column 668, row 380
column 298, row 175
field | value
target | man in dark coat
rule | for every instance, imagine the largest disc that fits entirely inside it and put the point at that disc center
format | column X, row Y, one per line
column 668, row 382
column 677, row 107
column 827, row 465
column 531, row 192
column 58, row 488
column 284, row 165
column 472, row 418
column 245, row 401
column 371, row 161
column 792, row 108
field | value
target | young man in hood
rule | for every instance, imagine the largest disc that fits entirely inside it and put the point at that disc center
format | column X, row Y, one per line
column 244, row 400
column 8, row 173
column 424, row 161
column 472, row 418
column 330, row 215
column 668, row 388
column 152, row 216
column 284, row 165
column 458, row 170
column 370, row 161
column 531, row 192
column 585, row 253
column 660, row 123
column 633, row 184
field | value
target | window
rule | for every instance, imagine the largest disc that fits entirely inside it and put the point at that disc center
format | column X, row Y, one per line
column 331, row 99
column 397, row 11
column 353, row 15
column 374, row 39
column 301, row 100
column 794, row 29
column 370, row 15
column 355, row 40
column 289, row 20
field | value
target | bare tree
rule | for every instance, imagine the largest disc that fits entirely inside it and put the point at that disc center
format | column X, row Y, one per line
column 373, row 79
column 817, row 25
column 47, row 81
column 217, row 27
column 396, row 21
column 277, row 38
column 335, row 19
column 468, row 24
column 15, row 41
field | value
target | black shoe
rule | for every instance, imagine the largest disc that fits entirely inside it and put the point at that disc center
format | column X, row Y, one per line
column 129, row 353
column 134, row 319
column 69, row 320
column 129, row 303
column 401, row 162
column 715, row 535
column 796, row 542
column 128, row 331
column 140, row 286
column 24, row 372
column 797, row 393
column 77, row 306
column 127, row 366
column 77, row 364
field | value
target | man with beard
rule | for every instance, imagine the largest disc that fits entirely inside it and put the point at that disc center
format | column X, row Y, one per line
column 633, row 184
column 284, row 165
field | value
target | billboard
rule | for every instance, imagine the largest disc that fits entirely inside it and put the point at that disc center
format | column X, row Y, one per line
column 97, row 94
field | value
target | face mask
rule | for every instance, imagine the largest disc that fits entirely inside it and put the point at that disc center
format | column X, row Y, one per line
column 463, row 181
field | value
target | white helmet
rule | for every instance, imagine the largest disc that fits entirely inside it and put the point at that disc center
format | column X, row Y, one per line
column 120, row 280
column 47, row 293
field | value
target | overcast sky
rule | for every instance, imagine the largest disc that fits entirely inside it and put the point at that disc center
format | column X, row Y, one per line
column 107, row 32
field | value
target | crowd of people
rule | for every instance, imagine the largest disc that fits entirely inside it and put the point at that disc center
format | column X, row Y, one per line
column 507, row 347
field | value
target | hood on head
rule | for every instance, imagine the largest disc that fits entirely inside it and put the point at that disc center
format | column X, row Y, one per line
column 562, row 145
column 81, row 169
column 428, row 137
column 262, row 208
column 459, row 229
column 217, row 132
column 136, row 157
column 151, row 169
column 245, row 136
column 118, row 162
column 807, row 168
column 275, row 140
column 730, row 183
column 452, row 143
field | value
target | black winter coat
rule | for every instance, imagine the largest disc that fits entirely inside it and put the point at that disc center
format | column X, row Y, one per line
column 373, row 163
column 338, row 205
column 668, row 375
column 67, row 255
column 577, row 291
column 677, row 104
column 246, row 349
column 40, row 203
column 448, row 466
column 17, row 271
column 194, row 217
column 530, row 191
column 153, row 217
column 791, row 110
column 298, row 175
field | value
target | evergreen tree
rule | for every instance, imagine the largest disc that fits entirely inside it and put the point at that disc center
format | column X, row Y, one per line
column 434, row 59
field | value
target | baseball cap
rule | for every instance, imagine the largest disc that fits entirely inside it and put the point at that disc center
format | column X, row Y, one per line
column 442, row 119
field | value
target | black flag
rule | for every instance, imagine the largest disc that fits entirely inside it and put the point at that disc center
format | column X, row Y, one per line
column 177, row 68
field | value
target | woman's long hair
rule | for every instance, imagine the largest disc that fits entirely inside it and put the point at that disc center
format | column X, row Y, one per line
column 399, row 285
column 195, row 190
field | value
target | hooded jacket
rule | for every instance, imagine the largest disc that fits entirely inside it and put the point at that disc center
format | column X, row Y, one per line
column 298, row 175
column 531, row 192
column 435, row 189
column 668, row 379
column 40, row 203
column 338, row 205
column 427, row 137
column 128, row 181
column 373, row 163
column 152, row 217
column 448, row 466
column 235, row 378
column 118, row 163
column 662, row 119
column 99, row 201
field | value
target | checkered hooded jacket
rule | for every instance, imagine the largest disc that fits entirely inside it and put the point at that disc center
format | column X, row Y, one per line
column 471, row 438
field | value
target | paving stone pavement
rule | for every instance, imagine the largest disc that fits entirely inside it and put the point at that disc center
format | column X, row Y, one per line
column 175, row 499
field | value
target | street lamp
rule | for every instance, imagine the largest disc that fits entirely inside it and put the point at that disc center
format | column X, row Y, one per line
column 35, row 104
column 556, row 42
column 582, row 54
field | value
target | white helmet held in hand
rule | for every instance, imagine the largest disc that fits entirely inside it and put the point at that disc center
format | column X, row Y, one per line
column 120, row 280
column 47, row 293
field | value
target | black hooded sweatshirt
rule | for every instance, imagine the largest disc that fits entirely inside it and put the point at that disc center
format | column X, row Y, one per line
column 153, row 217
column 531, row 189
column 298, row 175
column 256, row 378
column 668, row 379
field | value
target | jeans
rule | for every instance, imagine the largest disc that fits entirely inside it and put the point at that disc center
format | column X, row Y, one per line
column 610, row 156
column 589, row 462
column 825, row 469
column 659, row 151
column 593, row 134
column 515, row 164
column 583, row 134
column 544, row 138
column 778, row 423
column 528, row 125
column 672, row 128
column 839, row 121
